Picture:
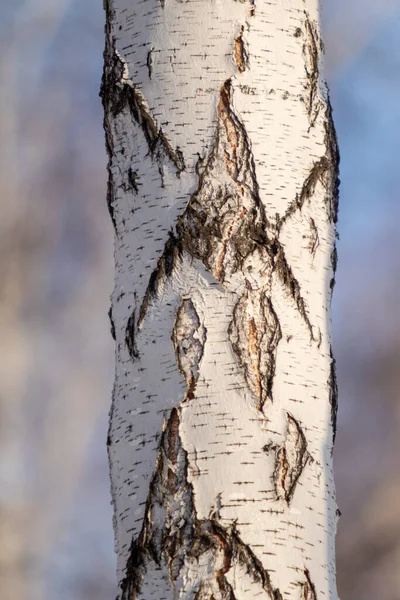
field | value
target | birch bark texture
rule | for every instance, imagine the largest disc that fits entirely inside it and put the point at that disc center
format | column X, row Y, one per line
column 223, row 192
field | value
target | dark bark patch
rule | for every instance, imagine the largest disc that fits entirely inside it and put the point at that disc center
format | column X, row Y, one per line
column 333, row 395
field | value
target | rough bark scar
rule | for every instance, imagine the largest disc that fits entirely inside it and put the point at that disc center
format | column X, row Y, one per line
column 172, row 535
column 241, row 53
column 189, row 337
column 255, row 334
column 291, row 458
column 308, row 591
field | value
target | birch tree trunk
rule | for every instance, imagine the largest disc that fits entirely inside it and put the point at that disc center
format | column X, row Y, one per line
column 223, row 191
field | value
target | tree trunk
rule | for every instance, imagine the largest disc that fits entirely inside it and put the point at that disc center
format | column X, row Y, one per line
column 223, row 191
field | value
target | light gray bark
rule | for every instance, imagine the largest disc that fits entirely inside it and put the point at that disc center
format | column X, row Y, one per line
column 223, row 193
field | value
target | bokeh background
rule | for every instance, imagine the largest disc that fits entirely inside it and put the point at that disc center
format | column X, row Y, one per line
column 56, row 274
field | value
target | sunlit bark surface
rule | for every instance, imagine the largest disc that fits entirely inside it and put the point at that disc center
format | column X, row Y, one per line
column 223, row 194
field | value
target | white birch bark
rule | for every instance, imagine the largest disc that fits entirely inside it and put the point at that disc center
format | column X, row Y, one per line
column 223, row 194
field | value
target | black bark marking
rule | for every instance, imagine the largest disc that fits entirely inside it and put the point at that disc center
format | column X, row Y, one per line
column 255, row 334
column 333, row 396
column 334, row 261
column 111, row 74
column 282, row 268
column 130, row 337
column 171, row 531
column 165, row 265
column 159, row 146
column 189, row 338
column 291, row 458
column 308, row 591
column 225, row 221
column 149, row 62
column 112, row 325
column 314, row 239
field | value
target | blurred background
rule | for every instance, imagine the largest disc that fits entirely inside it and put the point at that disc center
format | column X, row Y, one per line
column 56, row 274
